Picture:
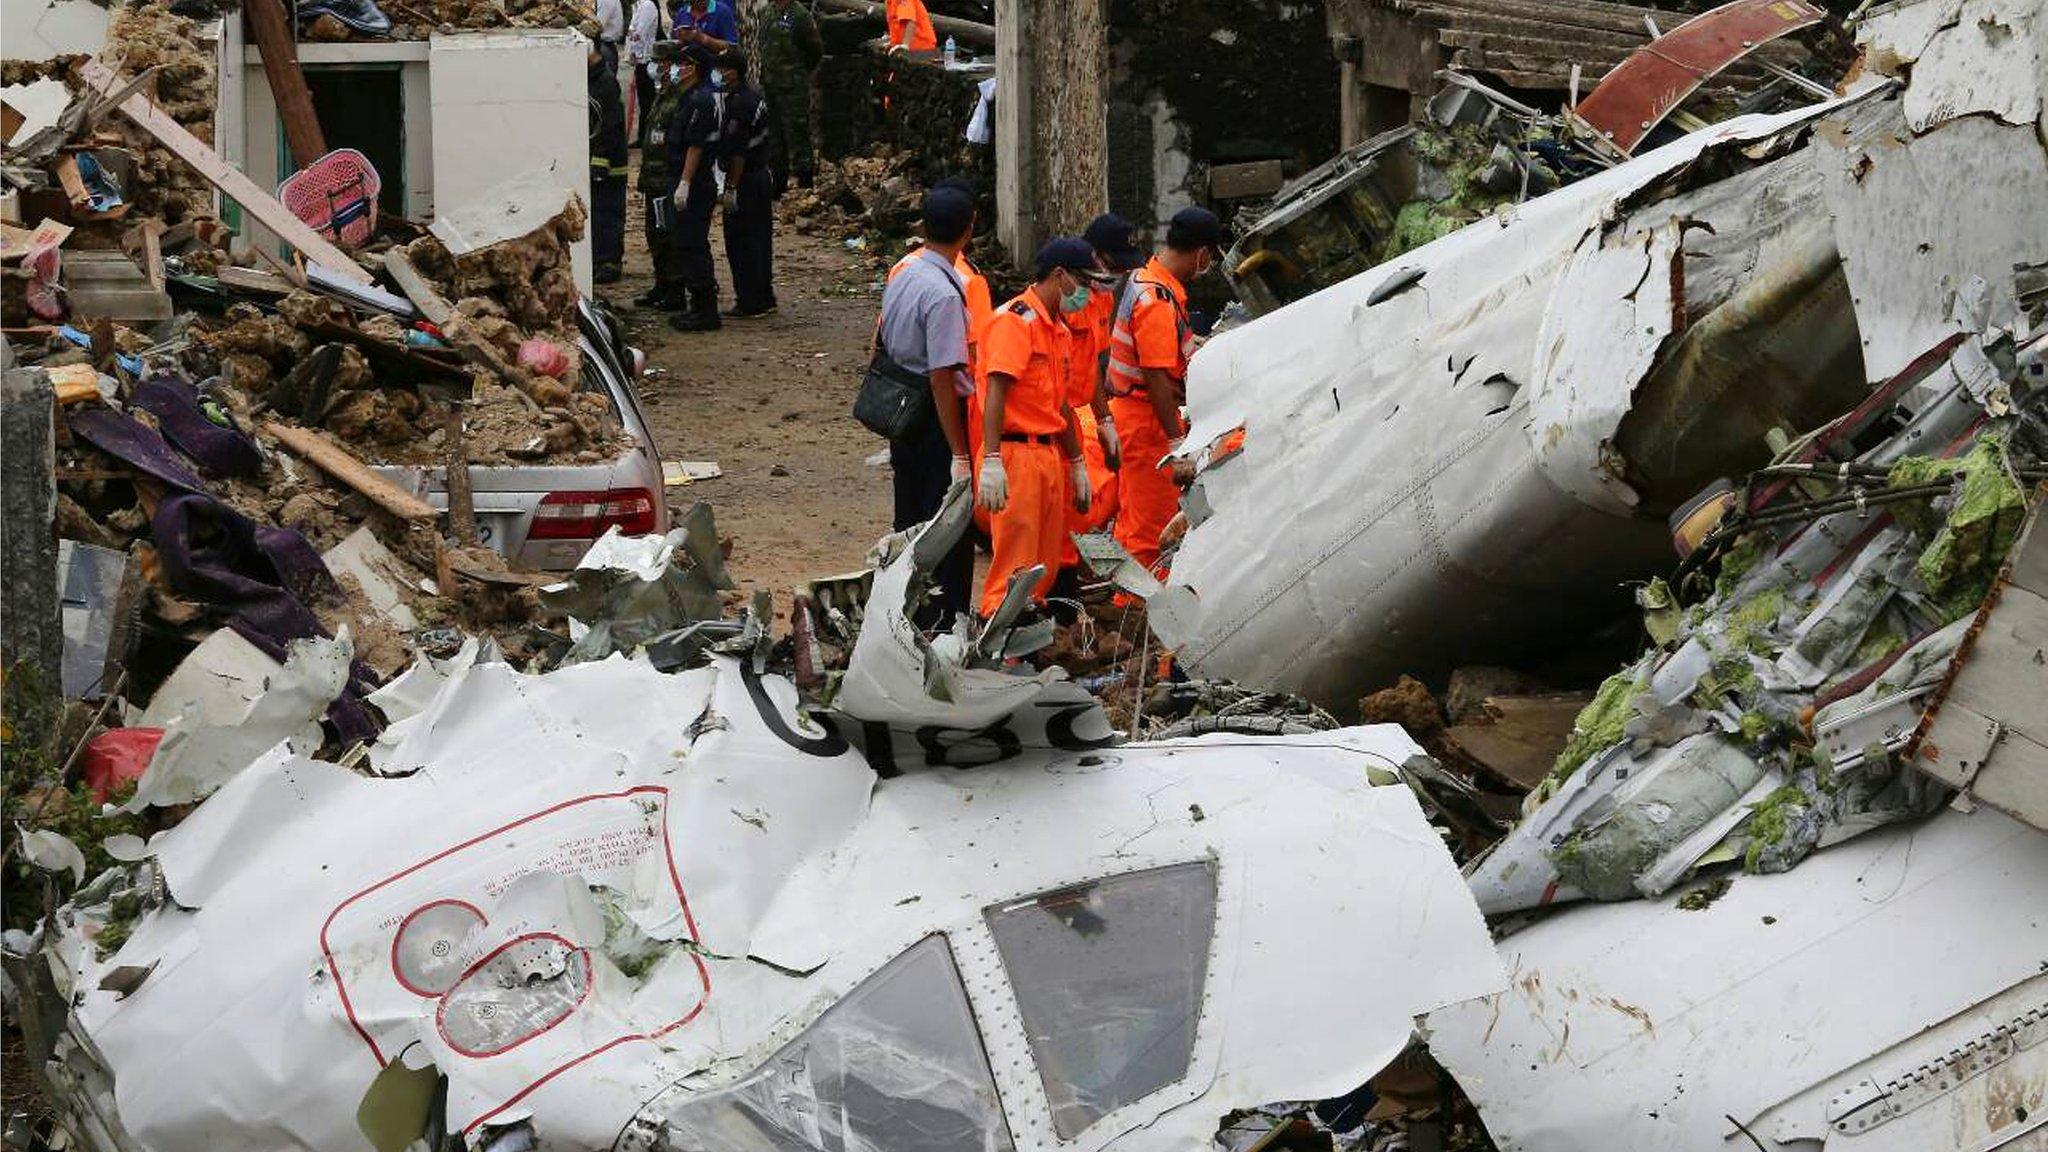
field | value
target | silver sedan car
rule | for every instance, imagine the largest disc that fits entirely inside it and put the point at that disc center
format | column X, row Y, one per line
column 545, row 516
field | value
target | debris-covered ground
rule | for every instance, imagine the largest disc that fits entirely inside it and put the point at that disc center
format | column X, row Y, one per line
column 764, row 400
column 1598, row 701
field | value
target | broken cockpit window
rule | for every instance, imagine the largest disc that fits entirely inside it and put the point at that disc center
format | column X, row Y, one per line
column 1108, row 977
column 897, row 1066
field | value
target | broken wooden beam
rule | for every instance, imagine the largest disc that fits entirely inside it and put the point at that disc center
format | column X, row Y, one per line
column 259, row 204
column 341, row 464
column 272, row 32
column 431, row 304
column 461, row 501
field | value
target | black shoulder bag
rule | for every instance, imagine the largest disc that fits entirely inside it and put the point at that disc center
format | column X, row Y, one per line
column 893, row 400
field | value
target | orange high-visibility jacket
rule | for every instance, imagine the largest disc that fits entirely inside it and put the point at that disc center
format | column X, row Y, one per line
column 1151, row 330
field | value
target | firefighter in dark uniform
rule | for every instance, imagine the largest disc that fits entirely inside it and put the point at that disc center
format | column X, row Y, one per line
column 693, row 144
column 658, row 179
column 607, row 169
column 749, row 199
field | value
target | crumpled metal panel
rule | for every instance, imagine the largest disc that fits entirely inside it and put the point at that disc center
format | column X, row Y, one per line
column 1643, row 89
column 1646, row 1026
column 1610, row 313
column 1966, row 56
column 606, row 886
column 1399, row 504
column 1916, row 216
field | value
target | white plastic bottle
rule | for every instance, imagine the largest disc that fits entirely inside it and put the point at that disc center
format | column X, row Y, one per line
column 952, row 52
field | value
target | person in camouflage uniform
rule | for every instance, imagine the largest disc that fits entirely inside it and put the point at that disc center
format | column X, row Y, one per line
column 789, row 48
column 657, row 181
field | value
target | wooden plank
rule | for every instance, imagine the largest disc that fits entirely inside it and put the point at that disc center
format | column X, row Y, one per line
column 239, row 188
column 271, row 30
column 407, row 365
column 438, row 311
column 339, row 463
column 145, row 242
column 1522, row 735
column 461, row 500
column 430, row 303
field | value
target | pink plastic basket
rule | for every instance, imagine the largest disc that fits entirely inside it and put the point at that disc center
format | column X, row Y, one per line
column 335, row 196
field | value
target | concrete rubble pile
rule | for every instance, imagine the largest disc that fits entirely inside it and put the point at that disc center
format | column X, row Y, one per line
column 607, row 863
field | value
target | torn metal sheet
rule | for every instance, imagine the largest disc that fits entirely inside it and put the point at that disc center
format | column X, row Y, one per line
column 1642, row 90
column 629, row 591
column 669, row 910
column 1763, row 726
column 1402, row 494
column 1965, row 56
column 1917, row 216
column 1614, row 305
column 197, row 756
column 1883, row 997
column 214, row 684
column 899, row 681
column 505, row 211
column 1514, row 426
column 89, row 595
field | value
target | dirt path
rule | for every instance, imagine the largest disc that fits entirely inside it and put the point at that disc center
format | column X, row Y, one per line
column 768, row 400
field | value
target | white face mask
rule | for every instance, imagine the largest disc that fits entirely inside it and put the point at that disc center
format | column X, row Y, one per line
column 1077, row 299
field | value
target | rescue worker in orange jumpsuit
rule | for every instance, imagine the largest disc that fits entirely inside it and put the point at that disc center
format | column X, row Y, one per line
column 1031, row 463
column 1150, row 341
column 1115, row 256
column 910, row 26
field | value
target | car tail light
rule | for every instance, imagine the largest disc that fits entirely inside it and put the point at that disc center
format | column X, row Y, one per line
column 586, row 515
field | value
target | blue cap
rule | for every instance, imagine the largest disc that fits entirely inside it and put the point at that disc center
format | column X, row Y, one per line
column 948, row 213
column 1069, row 252
column 1193, row 228
column 1110, row 235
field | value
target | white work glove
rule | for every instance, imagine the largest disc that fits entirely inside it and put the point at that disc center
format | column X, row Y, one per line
column 960, row 469
column 681, row 199
column 730, row 201
column 1077, row 475
column 993, row 490
column 1112, row 447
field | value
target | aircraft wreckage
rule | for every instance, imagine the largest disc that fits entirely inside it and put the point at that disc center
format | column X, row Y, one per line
column 615, row 907
column 651, row 901
column 1460, row 455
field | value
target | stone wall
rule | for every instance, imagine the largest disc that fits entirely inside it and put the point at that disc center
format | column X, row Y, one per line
column 925, row 114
